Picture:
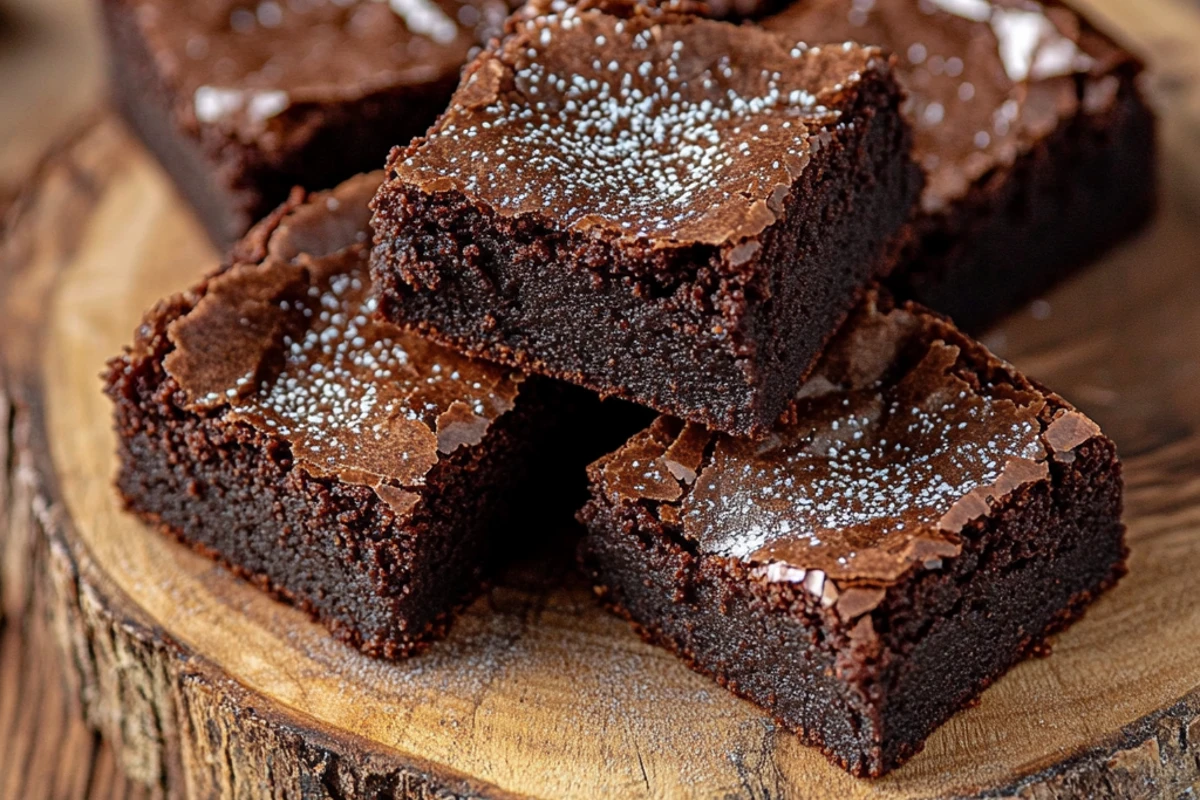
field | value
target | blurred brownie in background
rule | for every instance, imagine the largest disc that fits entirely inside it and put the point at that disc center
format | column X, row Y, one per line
column 242, row 100
column 1038, row 144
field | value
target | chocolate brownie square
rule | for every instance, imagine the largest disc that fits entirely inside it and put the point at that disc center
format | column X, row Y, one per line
column 1038, row 144
column 241, row 101
column 920, row 522
column 268, row 420
column 669, row 209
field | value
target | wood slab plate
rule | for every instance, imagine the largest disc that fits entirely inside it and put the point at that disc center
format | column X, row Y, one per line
column 208, row 688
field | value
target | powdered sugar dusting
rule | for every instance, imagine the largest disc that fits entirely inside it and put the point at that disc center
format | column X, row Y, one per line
column 866, row 469
column 1030, row 44
column 426, row 18
column 354, row 393
column 648, row 132
column 876, row 466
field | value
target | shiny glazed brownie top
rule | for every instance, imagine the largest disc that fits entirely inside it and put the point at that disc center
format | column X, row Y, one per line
column 289, row 344
column 239, row 63
column 986, row 78
column 905, row 434
column 657, row 127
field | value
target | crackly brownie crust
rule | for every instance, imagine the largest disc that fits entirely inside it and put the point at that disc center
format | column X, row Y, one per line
column 865, row 639
column 709, row 300
column 351, row 471
column 242, row 107
column 1038, row 143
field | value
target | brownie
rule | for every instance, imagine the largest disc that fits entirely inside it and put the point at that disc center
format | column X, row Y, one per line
column 1037, row 142
column 668, row 209
column 241, row 101
column 268, row 420
column 920, row 522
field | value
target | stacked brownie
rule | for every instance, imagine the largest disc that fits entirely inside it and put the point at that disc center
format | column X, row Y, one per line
column 672, row 210
column 849, row 512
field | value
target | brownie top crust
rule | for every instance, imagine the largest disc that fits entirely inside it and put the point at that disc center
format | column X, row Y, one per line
column 986, row 78
column 238, row 64
column 286, row 340
column 650, row 126
column 906, row 433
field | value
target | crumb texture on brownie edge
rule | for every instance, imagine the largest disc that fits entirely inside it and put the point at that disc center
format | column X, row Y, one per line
column 285, row 341
column 647, row 121
column 860, row 427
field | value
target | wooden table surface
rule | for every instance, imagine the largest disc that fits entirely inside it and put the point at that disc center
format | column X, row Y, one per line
column 50, row 78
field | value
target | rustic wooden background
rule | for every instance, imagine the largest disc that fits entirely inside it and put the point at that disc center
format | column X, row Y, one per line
column 50, row 79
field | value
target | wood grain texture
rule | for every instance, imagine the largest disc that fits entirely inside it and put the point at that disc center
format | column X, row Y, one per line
column 205, row 688
column 49, row 752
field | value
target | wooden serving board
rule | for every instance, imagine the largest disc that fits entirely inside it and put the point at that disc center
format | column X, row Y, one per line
column 208, row 688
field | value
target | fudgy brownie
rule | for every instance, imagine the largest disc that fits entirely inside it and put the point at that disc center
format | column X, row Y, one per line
column 1038, row 144
column 920, row 522
column 241, row 101
column 668, row 209
column 267, row 419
